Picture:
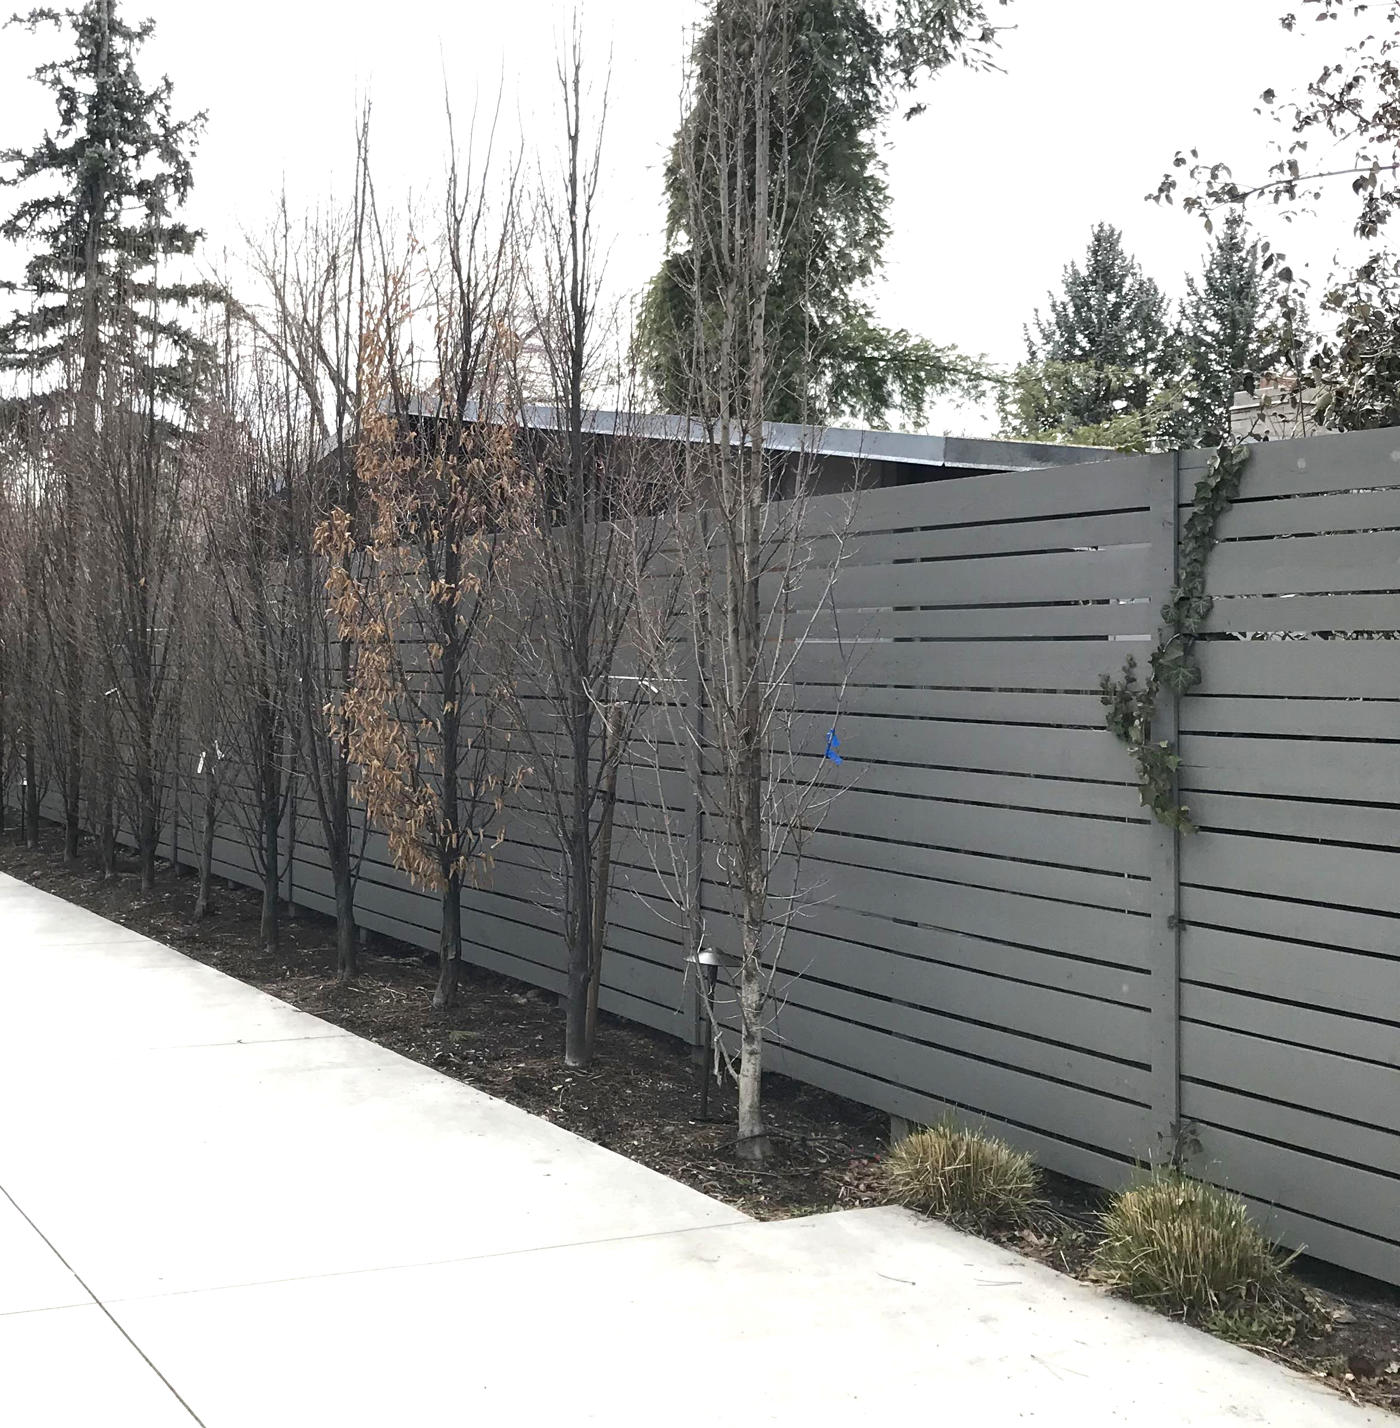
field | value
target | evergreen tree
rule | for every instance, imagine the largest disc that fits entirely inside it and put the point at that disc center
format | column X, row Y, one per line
column 1103, row 359
column 98, row 222
column 1224, row 324
column 846, row 64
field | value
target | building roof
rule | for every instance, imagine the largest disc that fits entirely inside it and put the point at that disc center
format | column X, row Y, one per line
column 896, row 448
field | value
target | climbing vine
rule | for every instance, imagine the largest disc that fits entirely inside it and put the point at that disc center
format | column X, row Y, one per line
column 1132, row 705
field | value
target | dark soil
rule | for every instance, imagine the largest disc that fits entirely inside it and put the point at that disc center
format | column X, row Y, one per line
column 640, row 1097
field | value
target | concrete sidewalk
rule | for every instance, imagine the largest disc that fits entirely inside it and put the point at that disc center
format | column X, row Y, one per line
column 218, row 1209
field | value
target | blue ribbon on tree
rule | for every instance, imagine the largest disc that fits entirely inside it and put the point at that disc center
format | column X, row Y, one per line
column 832, row 744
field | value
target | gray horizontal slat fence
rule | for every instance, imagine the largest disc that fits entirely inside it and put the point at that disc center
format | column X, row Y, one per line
column 1290, row 894
column 991, row 928
column 978, row 941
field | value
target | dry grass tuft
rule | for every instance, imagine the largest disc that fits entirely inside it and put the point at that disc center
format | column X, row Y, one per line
column 964, row 1177
column 1190, row 1249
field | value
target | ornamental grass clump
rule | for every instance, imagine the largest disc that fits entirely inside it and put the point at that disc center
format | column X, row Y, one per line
column 1190, row 1249
column 964, row 1177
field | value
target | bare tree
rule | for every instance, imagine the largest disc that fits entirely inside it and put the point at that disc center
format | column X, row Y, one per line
column 760, row 590
column 594, row 496
column 255, row 442
column 317, row 288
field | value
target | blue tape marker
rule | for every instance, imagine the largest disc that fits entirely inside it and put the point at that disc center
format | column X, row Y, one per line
column 832, row 744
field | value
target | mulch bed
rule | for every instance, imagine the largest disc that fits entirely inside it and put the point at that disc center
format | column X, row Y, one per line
column 640, row 1097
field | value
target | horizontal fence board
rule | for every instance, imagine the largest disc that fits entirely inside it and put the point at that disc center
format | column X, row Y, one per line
column 1324, row 977
column 1293, row 614
column 1309, row 515
column 1064, row 533
column 1005, row 1048
column 1296, row 921
column 1111, row 1029
column 1357, row 461
column 1366, row 1038
column 1365, row 669
column 1288, row 1124
column 1374, row 825
column 1355, row 877
column 1010, row 833
column 998, row 748
column 1356, row 1199
column 1306, row 565
column 1063, row 884
column 1289, row 768
column 1360, row 1091
column 921, row 1108
column 1097, row 934
column 1374, row 719
column 1114, row 485
column 994, row 1089
column 1116, row 572
column 877, row 945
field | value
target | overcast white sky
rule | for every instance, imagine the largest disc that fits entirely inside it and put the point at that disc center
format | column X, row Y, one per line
column 993, row 189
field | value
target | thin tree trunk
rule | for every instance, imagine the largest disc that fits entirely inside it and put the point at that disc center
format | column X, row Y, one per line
column 602, row 878
column 107, row 839
column 31, row 793
column 202, row 901
column 449, row 945
column 347, row 945
column 268, row 928
column 147, row 834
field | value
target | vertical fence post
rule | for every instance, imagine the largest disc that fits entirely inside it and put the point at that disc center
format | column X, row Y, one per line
column 1164, row 949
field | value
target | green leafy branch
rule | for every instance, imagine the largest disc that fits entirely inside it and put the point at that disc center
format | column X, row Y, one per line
column 1132, row 706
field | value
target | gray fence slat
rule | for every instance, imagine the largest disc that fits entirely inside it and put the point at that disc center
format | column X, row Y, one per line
column 1207, row 713
column 1355, row 461
column 1309, row 515
column 1082, row 532
column 1295, row 921
column 1295, row 614
column 1116, row 485
column 1116, row 572
column 1293, row 1179
column 1003, row 1006
column 922, row 1108
column 1091, row 843
column 1080, row 1068
column 1335, row 1085
column 1316, row 976
column 1050, row 1106
column 1367, row 669
column 1289, row 767
column 1287, row 1124
column 1354, row 1036
column 874, row 947
column 1306, row 565
column 1323, row 822
column 1357, row 877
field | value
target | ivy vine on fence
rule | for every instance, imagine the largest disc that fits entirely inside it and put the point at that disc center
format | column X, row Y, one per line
column 1131, row 706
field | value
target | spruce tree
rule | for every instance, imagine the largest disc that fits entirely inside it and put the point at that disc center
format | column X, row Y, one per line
column 1101, row 363
column 101, row 189
column 1108, row 336
column 846, row 64
column 1224, row 323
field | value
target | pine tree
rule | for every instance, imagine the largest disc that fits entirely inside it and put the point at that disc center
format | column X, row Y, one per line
column 99, row 223
column 1224, row 330
column 1103, row 359
column 845, row 65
